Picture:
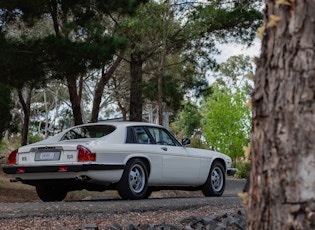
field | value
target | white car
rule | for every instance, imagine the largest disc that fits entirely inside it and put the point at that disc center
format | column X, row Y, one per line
column 134, row 158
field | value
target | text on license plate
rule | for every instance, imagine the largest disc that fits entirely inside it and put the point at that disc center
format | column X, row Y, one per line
column 47, row 156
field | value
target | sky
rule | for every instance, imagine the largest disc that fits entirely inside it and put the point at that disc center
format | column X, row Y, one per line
column 228, row 50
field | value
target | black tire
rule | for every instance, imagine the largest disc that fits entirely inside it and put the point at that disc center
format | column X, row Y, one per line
column 133, row 184
column 47, row 193
column 215, row 184
column 148, row 194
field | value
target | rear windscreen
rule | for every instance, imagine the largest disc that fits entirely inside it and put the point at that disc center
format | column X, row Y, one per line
column 91, row 131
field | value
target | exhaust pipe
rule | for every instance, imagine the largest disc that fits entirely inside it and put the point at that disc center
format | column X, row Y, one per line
column 82, row 178
column 17, row 179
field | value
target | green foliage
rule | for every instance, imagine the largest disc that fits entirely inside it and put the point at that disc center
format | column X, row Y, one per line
column 5, row 108
column 153, row 33
column 172, row 94
column 151, row 23
column 76, row 45
column 221, row 22
column 33, row 138
column 227, row 121
column 62, row 54
column 235, row 72
column 197, row 143
column 8, row 145
column 229, row 20
column 19, row 62
column 2, row 146
column 188, row 120
column 243, row 169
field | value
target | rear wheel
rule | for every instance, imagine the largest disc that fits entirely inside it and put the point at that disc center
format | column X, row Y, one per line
column 148, row 194
column 48, row 193
column 133, row 184
column 215, row 184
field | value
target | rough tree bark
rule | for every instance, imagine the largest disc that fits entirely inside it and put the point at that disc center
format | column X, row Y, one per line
column 282, row 179
column 75, row 99
column 25, row 101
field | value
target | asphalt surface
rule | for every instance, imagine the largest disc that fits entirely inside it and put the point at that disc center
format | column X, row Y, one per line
column 104, row 207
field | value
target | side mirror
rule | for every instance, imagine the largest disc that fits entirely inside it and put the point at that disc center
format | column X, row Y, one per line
column 185, row 141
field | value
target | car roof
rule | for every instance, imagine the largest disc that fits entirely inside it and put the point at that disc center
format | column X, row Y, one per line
column 123, row 123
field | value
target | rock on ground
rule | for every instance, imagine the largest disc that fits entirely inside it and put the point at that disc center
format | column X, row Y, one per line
column 233, row 221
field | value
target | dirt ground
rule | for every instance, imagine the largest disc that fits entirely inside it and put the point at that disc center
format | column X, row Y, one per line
column 15, row 192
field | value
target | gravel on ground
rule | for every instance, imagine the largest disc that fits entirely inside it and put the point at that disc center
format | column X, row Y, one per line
column 123, row 219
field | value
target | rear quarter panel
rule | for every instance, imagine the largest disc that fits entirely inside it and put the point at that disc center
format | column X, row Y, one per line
column 122, row 153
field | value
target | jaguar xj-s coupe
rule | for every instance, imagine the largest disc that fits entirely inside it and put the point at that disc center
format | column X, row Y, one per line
column 133, row 158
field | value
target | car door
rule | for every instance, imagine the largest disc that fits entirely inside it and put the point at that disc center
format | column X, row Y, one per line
column 178, row 164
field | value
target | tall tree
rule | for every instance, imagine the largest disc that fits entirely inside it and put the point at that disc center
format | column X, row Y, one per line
column 195, row 35
column 77, row 43
column 151, row 32
column 99, row 88
column 282, row 178
column 236, row 72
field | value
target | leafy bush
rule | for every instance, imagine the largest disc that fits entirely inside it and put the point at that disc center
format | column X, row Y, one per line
column 2, row 146
column 32, row 138
column 242, row 169
column 196, row 143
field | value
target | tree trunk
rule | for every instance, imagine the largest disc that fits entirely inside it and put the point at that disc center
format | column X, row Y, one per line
column 99, row 89
column 46, row 114
column 160, row 80
column 282, row 179
column 75, row 100
column 135, row 87
column 26, row 106
column 160, row 98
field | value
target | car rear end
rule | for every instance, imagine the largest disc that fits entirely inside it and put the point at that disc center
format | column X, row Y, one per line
column 48, row 161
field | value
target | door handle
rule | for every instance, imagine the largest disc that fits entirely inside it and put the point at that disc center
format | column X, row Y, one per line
column 164, row 148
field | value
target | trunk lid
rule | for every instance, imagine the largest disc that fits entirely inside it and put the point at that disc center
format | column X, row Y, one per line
column 54, row 153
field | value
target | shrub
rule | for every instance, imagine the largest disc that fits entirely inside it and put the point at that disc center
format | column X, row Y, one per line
column 242, row 169
column 32, row 138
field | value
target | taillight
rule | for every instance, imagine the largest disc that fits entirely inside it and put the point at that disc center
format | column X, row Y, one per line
column 21, row 170
column 12, row 157
column 84, row 154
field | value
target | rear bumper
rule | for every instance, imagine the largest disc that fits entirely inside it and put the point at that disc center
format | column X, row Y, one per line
column 231, row 171
column 20, row 169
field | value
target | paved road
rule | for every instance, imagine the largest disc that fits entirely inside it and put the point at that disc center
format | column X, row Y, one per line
column 106, row 207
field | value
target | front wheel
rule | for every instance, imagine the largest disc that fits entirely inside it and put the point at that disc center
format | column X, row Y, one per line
column 133, row 184
column 47, row 193
column 215, row 184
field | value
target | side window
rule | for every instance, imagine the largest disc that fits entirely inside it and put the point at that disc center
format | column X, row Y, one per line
column 162, row 137
column 141, row 136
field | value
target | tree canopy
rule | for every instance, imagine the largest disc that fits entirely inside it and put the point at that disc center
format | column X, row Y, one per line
column 74, row 42
column 227, row 121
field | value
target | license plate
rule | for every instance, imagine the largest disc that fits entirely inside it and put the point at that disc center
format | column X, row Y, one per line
column 47, row 156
